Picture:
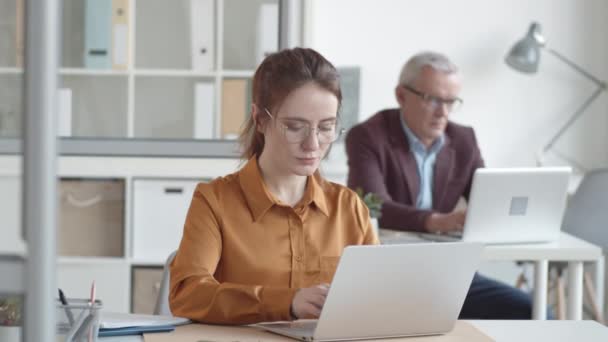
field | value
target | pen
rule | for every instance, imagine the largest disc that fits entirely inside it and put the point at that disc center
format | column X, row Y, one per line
column 92, row 293
column 91, row 314
column 68, row 312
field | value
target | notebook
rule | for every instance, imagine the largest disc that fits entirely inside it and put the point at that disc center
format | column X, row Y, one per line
column 115, row 320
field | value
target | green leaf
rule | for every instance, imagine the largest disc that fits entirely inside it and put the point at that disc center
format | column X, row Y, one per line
column 372, row 201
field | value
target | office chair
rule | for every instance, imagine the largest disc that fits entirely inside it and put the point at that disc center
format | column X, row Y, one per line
column 586, row 217
column 162, row 301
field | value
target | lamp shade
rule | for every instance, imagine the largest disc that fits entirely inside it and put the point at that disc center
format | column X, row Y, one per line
column 524, row 56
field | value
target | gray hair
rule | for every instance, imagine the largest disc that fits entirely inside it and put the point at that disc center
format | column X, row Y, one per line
column 413, row 67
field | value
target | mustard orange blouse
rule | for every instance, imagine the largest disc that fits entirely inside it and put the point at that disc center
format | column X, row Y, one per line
column 244, row 254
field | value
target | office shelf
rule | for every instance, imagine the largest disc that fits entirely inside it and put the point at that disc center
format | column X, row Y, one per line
column 92, row 72
column 237, row 73
column 174, row 73
column 10, row 71
column 169, row 82
column 147, row 262
column 65, row 260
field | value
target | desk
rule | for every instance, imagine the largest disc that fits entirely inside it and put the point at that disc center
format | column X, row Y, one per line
column 554, row 331
column 569, row 249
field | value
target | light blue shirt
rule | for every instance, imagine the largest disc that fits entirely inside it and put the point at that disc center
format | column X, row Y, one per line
column 425, row 160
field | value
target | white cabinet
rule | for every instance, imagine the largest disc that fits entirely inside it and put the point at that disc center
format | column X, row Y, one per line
column 159, row 212
column 10, row 212
column 112, row 281
column 143, row 202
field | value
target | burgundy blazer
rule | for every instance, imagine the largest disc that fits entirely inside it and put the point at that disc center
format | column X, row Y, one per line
column 380, row 161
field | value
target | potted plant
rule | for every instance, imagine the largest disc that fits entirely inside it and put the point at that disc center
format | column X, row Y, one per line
column 10, row 319
column 374, row 204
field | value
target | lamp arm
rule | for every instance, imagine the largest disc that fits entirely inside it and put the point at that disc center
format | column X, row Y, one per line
column 598, row 91
column 578, row 68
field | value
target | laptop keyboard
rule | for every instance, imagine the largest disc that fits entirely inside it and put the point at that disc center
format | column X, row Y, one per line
column 445, row 237
column 305, row 328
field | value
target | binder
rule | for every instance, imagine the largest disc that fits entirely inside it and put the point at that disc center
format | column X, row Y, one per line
column 97, row 34
column 203, row 110
column 120, row 34
column 201, row 26
column 65, row 112
column 234, row 107
column 268, row 31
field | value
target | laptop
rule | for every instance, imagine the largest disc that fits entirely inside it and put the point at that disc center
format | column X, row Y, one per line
column 386, row 291
column 514, row 205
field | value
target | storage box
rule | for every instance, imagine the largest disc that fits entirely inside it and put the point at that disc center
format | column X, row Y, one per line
column 159, row 212
column 91, row 218
column 146, row 281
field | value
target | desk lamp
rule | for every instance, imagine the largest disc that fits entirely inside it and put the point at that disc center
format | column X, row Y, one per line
column 524, row 56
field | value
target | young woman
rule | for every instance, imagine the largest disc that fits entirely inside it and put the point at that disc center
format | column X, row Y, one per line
column 262, row 244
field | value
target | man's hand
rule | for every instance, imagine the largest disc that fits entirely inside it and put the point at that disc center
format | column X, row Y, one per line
column 441, row 223
column 308, row 302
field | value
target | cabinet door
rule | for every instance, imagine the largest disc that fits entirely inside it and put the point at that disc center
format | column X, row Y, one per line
column 10, row 212
column 159, row 213
column 145, row 289
column 111, row 282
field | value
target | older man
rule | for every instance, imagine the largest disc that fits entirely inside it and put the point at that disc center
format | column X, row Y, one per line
column 421, row 164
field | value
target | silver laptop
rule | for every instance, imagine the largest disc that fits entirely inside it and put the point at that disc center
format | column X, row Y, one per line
column 514, row 205
column 391, row 291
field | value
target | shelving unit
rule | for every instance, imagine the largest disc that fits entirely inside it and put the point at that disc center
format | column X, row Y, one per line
column 153, row 95
column 113, row 273
column 136, row 125
column 149, row 104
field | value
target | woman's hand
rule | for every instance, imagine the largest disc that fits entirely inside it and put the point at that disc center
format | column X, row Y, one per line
column 308, row 302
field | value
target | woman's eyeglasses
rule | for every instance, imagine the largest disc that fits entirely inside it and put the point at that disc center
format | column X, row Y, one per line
column 297, row 131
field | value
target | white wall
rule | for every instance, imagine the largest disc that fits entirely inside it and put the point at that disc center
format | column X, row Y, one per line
column 514, row 114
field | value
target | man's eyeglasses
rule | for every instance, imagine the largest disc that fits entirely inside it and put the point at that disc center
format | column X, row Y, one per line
column 297, row 131
column 433, row 102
